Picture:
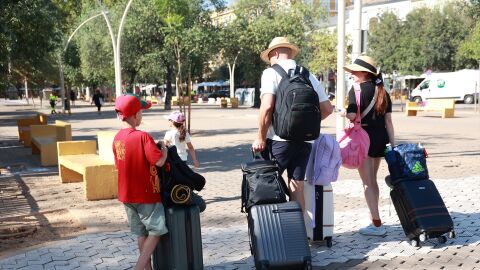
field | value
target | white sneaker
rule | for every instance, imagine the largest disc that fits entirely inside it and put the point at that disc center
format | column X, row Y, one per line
column 372, row 230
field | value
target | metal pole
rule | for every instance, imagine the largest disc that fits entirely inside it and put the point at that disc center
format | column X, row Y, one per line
column 62, row 82
column 118, row 79
column 475, row 100
column 60, row 59
column 357, row 30
column 118, row 88
column 340, row 95
column 75, row 31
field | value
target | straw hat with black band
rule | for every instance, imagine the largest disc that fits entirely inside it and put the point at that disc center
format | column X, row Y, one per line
column 362, row 63
column 279, row 42
column 366, row 64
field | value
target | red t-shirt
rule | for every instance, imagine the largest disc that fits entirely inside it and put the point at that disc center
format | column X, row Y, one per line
column 135, row 156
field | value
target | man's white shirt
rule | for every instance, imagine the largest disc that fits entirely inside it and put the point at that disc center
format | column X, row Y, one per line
column 269, row 85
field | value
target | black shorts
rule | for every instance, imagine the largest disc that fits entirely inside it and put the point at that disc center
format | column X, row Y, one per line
column 292, row 156
column 378, row 140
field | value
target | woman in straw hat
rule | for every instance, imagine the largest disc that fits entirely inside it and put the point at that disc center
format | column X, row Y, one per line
column 378, row 124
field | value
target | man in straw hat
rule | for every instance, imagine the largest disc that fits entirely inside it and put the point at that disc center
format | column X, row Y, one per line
column 290, row 155
column 377, row 122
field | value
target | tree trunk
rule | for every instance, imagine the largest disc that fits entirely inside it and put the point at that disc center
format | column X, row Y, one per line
column 133, row 75
column 256, row 100
column 168, row 88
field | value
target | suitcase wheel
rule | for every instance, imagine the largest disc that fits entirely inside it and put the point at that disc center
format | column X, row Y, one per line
column 415, row 242
column 422, row 237
column 442, row 239
column 451, row 234
column 329, row 241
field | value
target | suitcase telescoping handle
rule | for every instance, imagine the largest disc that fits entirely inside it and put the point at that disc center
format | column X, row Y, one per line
column 256, row 155
column 266, row 154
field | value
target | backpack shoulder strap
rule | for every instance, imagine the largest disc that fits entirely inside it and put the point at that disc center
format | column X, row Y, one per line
column 280, row 70
column 305, row 73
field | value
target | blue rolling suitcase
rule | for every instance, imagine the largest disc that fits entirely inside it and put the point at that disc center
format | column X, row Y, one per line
column 278, row 237
column 421, row 211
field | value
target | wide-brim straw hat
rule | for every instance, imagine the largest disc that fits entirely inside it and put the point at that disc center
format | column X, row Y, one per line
column 279, row 42
column 362, row 63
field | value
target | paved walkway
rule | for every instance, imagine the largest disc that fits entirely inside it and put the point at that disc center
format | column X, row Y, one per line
column 222, row 137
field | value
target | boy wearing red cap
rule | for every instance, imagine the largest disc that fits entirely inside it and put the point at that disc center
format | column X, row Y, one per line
column 136, row 158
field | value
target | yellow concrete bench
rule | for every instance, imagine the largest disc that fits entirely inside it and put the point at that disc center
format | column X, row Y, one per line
column 78, row 161
column 24, row 127
column 445, row 106
column 44, row 140
column 153, row 100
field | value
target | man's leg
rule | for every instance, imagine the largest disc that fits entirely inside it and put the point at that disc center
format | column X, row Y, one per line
column 146, row 245
column 296, row 192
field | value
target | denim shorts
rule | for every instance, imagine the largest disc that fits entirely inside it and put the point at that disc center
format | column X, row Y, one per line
column 146, row 218
column 293, row 157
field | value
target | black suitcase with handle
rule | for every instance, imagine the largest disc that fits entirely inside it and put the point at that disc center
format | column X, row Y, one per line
column 278, row 237
column 421, row 211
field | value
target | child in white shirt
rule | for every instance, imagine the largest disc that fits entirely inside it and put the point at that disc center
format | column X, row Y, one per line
column 179, row 137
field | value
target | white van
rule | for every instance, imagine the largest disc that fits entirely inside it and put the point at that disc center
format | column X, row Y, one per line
column 459, row 85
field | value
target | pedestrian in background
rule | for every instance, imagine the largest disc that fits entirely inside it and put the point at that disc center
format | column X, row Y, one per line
column 99, row 100
column 53, row 102
column 379, row 126
column 73, row 96
column 179, row 137
column 136, row 157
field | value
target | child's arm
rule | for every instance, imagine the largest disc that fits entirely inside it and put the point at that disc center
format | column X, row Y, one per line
column 167, row 140
column 192, row 153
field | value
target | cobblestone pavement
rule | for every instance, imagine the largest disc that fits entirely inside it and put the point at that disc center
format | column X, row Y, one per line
column 222, row 139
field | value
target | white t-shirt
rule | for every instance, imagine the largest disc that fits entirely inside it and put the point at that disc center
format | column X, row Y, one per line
column 269, row 85
column 173, row 138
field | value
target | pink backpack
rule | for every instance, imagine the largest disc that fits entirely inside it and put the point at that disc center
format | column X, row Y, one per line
column 354, row 141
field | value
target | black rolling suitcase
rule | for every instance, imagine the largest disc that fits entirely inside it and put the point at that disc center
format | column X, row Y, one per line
column 421, row 211
column 181, row 247
column 278, row 237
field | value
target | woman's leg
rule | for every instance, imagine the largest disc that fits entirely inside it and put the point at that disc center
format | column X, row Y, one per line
column 370, row 186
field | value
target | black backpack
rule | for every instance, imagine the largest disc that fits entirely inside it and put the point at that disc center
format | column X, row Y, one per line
column 262, row 183
column 297, row 107
column 176, row 172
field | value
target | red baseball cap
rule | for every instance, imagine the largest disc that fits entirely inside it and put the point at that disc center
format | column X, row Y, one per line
column 129, row 104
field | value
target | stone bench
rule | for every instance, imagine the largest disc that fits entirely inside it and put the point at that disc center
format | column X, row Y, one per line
column 78, row 162
column 24, row 127
column 445, row 106
column 44, row 140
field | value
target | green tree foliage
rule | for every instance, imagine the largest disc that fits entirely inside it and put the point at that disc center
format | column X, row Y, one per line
column 428, row 39
column 28, row 34
column 189, row 35
column 323, row 52
column 470, row 49
column 384, row 41
column 258, row 22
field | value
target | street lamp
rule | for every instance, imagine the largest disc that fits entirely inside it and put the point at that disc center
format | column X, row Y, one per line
column 60, row 60
column 116, row 45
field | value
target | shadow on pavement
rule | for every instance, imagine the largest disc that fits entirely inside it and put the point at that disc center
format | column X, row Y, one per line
column 223, row 159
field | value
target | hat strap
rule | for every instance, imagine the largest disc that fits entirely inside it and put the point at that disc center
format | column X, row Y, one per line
column 366, row 65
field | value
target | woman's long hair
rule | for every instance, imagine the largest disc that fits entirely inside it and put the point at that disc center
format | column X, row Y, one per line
column 381, row 102
column 181, row 129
